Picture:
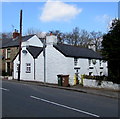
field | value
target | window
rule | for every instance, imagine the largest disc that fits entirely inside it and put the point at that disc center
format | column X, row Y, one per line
column 101, row 73
column 8, row 53
column 75, row 61
column 28, row 67
column 100, row 63
column 90, row 62
column 17, row 67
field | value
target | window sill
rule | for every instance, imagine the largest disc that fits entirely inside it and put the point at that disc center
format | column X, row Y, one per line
column 28, row 72
column 91, row 67
column 101, row 67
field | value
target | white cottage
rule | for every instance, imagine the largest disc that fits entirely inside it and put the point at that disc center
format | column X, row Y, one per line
column 60, row 59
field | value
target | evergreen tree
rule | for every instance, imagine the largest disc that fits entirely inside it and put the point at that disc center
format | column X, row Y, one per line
column 111, row 50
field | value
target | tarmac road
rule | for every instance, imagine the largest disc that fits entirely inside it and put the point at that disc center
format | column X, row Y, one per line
column 25, row 100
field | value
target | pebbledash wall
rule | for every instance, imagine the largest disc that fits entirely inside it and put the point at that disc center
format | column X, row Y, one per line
column 56, row 63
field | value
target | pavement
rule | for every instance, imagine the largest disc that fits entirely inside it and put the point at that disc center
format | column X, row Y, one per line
column 78, row 88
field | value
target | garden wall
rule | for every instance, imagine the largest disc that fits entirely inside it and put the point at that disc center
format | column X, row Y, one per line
column 101, row 84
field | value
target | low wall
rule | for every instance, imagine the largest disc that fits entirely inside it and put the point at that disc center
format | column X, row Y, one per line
column 101, row 84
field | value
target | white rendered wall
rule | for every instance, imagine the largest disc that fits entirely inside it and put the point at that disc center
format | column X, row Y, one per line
column 25, row 59
column 84, row 67
column 33, row 41
column 56, row 63
column 15, row 73
column 39, row 64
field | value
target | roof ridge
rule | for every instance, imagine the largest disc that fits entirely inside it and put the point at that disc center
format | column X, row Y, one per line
column 74, row 46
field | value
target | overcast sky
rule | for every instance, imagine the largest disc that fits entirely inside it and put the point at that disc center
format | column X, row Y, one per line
column 59, row 15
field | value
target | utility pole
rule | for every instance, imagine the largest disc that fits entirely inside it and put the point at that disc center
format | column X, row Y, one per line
column 20, row 41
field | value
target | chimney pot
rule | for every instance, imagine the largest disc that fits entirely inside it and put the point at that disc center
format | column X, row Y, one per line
column 51, row 33
column 15, row 33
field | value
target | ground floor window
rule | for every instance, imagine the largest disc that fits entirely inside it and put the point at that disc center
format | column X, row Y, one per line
column 28, row 67
column 101, row 73
column 17, row 67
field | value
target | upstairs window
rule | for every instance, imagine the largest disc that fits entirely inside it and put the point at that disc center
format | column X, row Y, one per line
column 28, row 67
column 75, row 61
column 90, row 62
column 100, row 63
column 8, row 53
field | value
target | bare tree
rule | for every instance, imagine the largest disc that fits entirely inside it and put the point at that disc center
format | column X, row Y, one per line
column 78, row 37
column 73, row 37
column 32, row 31
column 84, row 38
column 6, row 35
column 96, row 38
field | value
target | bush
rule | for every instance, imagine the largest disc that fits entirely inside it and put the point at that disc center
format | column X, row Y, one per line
column 95, row 77
column 5, row 73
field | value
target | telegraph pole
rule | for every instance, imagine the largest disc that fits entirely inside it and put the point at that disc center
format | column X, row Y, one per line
column 20, row 41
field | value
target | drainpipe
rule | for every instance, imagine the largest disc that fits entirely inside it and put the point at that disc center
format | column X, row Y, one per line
column 34, row 69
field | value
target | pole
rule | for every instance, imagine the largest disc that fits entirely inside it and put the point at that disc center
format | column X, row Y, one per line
column 34, row 69
column 20, row 41
column 44, row 54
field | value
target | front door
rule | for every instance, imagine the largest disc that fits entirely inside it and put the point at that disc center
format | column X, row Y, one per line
column 8, row 68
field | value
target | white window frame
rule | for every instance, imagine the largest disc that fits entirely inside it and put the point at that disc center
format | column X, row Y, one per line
column 100, row 62
column 17, row 65
column 28, row 67
column 75, row 61
column 90, row 62
column 101, row 73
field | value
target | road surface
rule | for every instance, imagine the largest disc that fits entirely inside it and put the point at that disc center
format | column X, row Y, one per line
column 25, row 100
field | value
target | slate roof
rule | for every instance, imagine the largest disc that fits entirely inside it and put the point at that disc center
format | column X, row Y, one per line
column 34, row 51
column 77, row 52
column 14, row 42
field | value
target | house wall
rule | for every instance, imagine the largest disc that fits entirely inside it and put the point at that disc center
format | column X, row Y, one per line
column 33, row 41
column 85, row 68
column 27, row 58
column 56, row 63
column 15, row 72
column 6, row 59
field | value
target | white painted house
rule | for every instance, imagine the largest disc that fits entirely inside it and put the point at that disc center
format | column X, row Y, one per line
column 60, row 59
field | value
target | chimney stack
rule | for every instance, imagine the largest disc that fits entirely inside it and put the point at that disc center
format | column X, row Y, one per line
column 51, row 33
column 15, row 34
